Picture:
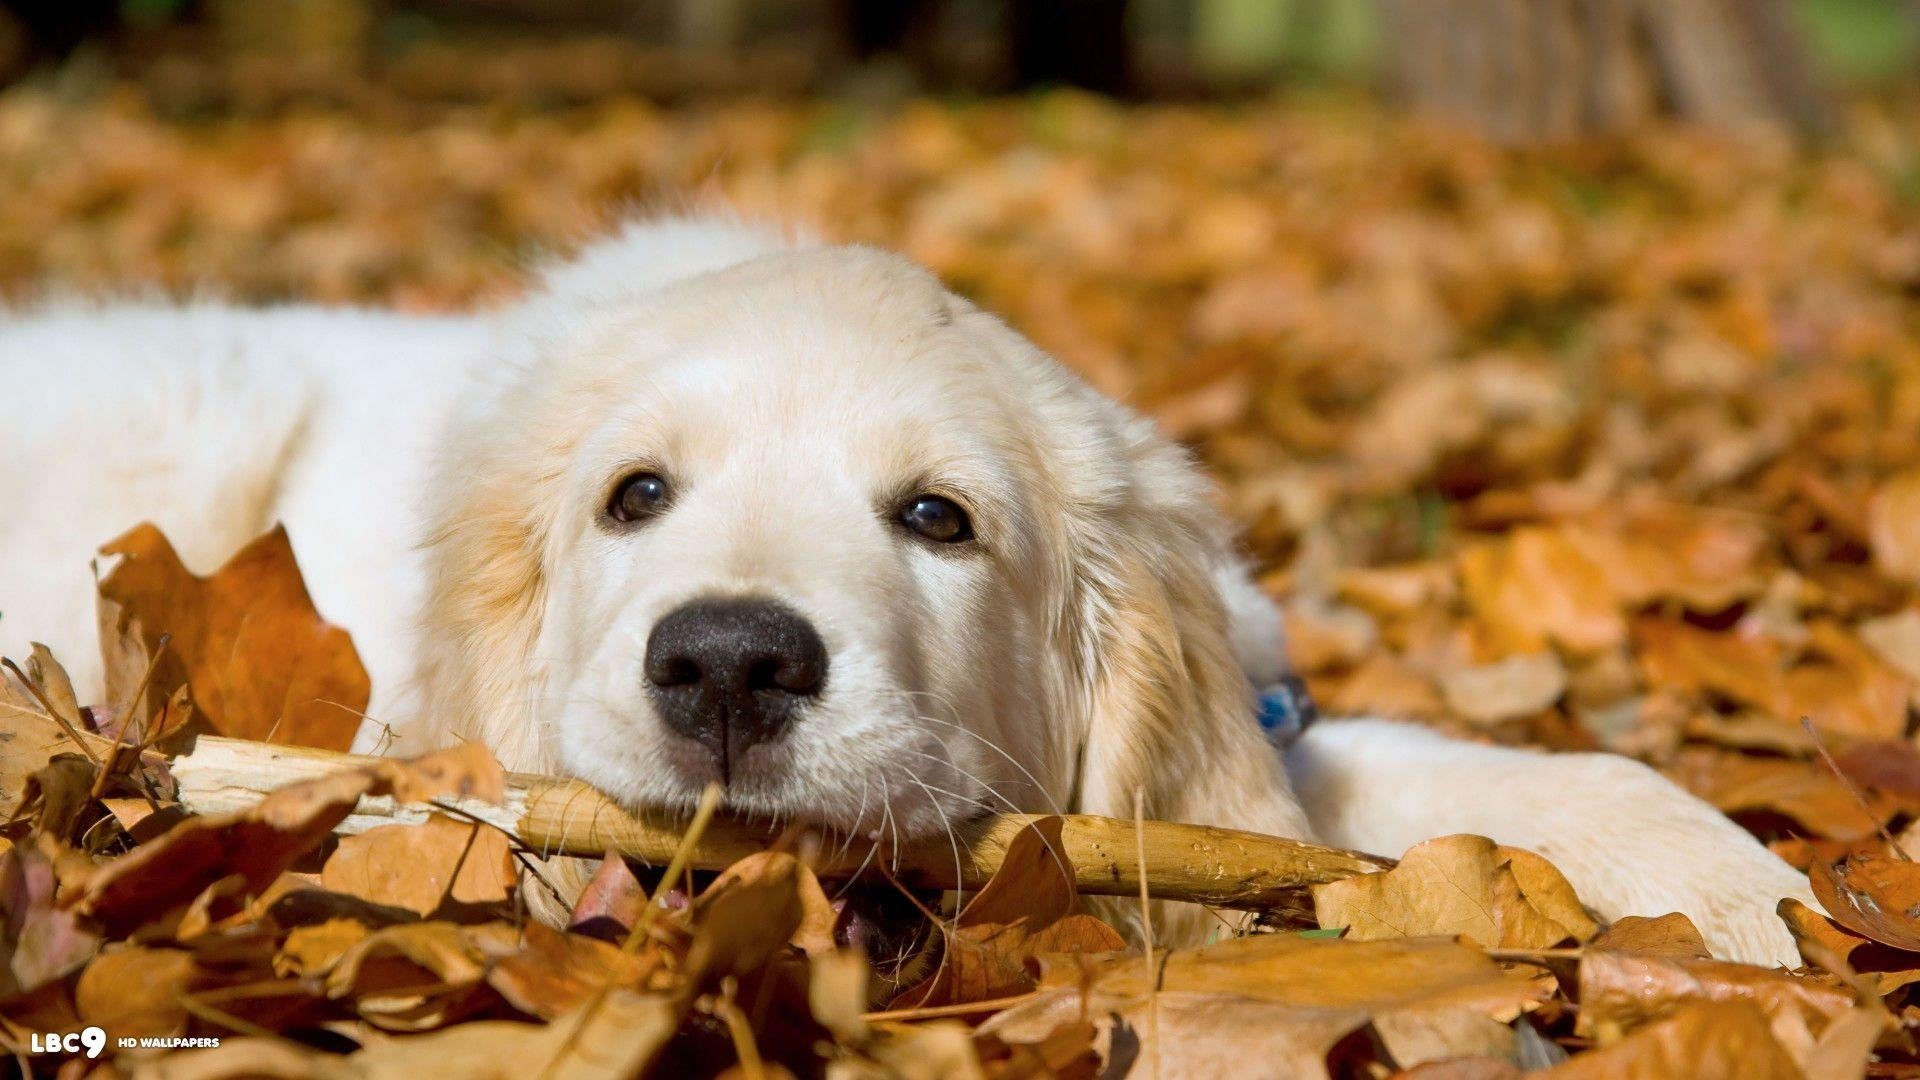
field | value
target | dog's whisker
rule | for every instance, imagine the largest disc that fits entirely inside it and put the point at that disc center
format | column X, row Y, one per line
column 947, row 761
column 1038, row 787
column 953, row 841
column 846, row 840
column 961, row 797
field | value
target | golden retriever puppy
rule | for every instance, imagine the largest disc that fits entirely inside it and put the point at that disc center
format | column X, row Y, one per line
column 714, row 505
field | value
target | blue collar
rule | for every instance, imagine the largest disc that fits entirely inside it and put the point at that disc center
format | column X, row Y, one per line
column 1286, row 710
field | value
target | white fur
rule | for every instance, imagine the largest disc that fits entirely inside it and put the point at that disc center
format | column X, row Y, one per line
column 441, row 480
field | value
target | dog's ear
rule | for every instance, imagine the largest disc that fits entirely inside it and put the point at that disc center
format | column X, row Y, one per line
column 481, row 617
column 1167, row 707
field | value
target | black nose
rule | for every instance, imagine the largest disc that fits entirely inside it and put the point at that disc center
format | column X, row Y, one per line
column 730, row 673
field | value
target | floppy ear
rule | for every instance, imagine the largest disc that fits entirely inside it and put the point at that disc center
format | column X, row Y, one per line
column 479, row 676
column 1169, row 709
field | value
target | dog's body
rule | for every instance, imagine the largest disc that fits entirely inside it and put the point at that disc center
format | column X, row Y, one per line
column 510, row 510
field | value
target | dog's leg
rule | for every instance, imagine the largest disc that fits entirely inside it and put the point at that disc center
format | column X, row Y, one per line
column 1630, row 841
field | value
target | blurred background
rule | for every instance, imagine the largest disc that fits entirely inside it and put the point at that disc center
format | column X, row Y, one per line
column 1557, row 357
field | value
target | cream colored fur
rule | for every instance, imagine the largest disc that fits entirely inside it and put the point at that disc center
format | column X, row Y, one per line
column 442, row 481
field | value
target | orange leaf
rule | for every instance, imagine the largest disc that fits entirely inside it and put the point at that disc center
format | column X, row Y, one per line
column 261, row 662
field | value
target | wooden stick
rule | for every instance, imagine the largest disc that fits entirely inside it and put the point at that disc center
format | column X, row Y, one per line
column 1197, row 863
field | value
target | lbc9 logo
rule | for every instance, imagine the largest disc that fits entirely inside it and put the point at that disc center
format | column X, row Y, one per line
column 92, row 1040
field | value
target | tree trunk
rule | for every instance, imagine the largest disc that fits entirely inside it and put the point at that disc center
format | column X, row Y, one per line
column 1531, row 70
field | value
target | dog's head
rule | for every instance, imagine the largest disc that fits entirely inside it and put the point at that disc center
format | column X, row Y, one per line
column 814, row 528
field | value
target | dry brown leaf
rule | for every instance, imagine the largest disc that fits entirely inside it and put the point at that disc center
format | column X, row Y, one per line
column 1620, row 992
column 39, row 942
column 1199, row 1034
column 316, row 949
column 1427, row 998
column 1896, row 639
column 611, row 901
column 132, row 989
column 1807, row 792
column 1026, row 910
column 1893, row 525
column 1395, row 591
column 1072, row 1050
column 1458, row 885
column 1672, row 934
column 1884, row 765
column 263, row 840
column 426, row 866
column 1324, row 637
column 837, row 991
column 418, row 976
column 1384, row 685
column 1536, row 588
column 1748, row 670
column 1509, row 689
column 554, row 972
column 1713, row 1040
column 613, row 1038
column 941, row 1050
column 30, row 737
column 755, row 908
column 1845, row 688
column 58, row 793
column 1822, row 942
column 260, row 661
column 1872, row 895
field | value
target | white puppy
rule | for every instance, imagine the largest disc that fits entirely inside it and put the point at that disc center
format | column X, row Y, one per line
column 711, row 504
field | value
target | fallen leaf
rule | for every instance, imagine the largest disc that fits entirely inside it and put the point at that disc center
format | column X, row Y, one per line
column 263, row 840
column 424, row 867
column 611, row 901
column 1748, row 670
column 555, row 972
column 1823, row 941
column 130, row 990
column 1886, row 765
column 837, row 993
column 1535, row 588
column 1672, row 934
column 619, row 1037
column 1805, row 791
column 1893, row 526
column 316, row 949
column 1620, row 992
column 1383, row 685
column 1509, row 689
column 417, row 976
column 260, row 662
column 30, row 737
column 1458, row 885
column 58, row 793
column 1896, row 639
column 1025, row 910
column 41, row 942
column 1874, row 896
column 1710, row 1040
column 1287, row 998
column 750, row 912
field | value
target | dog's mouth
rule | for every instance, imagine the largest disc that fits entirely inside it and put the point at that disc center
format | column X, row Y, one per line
column 888, row 925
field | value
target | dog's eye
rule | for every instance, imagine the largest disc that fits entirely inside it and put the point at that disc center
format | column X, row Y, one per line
column 937, row 519
column 639, row 496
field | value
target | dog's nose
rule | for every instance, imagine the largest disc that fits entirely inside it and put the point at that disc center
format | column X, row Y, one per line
column 730, row 673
